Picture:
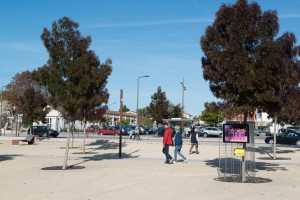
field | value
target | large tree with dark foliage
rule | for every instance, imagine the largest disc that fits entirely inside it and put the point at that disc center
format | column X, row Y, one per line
column 246, row 63
column 26, row 97
column 175, row 111
column 159, row 105
column 73, row 76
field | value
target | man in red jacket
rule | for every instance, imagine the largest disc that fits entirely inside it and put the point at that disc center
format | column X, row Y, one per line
column 167, row 142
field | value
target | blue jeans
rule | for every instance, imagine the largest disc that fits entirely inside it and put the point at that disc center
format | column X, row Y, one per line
column 166, row 152
column 177, row 150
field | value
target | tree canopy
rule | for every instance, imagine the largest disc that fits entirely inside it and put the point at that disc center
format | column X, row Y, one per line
column 73, row 75
column 246, row 63
column 212, row 113
column 26, row 97
column 159, row 105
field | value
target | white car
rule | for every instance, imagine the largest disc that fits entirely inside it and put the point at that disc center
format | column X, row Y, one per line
column 211, row 131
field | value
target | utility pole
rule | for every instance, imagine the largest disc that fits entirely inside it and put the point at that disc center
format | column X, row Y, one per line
column 182, row 108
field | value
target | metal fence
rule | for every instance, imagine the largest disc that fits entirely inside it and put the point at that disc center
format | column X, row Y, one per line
column 230, row 165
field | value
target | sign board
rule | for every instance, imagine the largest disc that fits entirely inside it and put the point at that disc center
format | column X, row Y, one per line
column 239, row 152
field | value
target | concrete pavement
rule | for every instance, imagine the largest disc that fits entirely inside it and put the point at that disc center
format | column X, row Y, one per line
column 139, row 174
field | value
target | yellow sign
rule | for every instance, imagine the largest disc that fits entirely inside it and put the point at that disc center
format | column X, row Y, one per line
column 239, row 152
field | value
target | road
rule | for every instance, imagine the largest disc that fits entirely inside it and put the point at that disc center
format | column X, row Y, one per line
column 258, row 139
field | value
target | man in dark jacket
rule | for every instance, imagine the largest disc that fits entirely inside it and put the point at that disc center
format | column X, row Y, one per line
column 167, row 142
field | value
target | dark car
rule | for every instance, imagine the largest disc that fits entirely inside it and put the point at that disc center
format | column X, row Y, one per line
column 43, row 131
column 124, row 130
column 159, row 131
column 53, row 133
column 296, row 128
column 291, row 137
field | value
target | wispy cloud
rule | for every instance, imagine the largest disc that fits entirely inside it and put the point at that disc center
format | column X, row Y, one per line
column 153, row 23
column 21, row 46
column 288, row 16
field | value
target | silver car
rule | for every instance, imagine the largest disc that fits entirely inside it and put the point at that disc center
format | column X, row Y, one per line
column 211, row 131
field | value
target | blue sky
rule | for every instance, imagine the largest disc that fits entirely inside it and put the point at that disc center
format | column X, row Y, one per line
column 155, row 38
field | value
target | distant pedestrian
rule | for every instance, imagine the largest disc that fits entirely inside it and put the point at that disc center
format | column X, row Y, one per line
column 194, row 140
column 178, row 145
column 167, row 142
column 185, row 132
column 137, row 133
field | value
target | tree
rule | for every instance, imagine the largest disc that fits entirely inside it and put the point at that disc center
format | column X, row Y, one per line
column 245, row 62
column 125, row 109
column 290, row 108
column 26, row 97
column 247, row 65
column 73, row 75
column 212, row 113
column 159, row 105
column 175, row 110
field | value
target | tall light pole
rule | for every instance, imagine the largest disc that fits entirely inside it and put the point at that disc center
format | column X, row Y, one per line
column 1, row 110
column 182, row 109
column 137, row 101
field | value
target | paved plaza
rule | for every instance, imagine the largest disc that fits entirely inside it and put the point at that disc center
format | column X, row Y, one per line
column 139, row 175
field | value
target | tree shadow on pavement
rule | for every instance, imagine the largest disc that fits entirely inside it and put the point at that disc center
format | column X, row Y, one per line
column 106, row 144
column 110, row 156
column 233, row 165
column 269, row 150
column 8, row 157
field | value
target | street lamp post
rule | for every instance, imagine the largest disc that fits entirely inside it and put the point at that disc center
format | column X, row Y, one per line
column 182, row 110
column 137, row 101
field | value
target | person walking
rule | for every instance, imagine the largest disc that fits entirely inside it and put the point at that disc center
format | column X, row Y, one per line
column 178, row 145
column 167, row 142
column 194, row 140
column 185, row 132
column 137, row 133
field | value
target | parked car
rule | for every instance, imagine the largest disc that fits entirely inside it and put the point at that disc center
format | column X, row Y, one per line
column 296, row 128
column 143, row 130
column 281, row 131
column 53, row 133
column 90, row 128
column 211, row 131
column 159, row 131
column 265, row 131
column 130, row 130
column 256, row 132
column 198, row 129
column 124, row 130
column 43, row 131
column 291, row 137
column 109, row 130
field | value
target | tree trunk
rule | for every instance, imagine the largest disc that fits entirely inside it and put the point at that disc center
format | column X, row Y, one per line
column 84, row 135
column 275, row 137
column 72, row 134
column 67, row 150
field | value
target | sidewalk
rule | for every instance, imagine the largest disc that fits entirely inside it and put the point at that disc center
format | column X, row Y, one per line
column 139, row 174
